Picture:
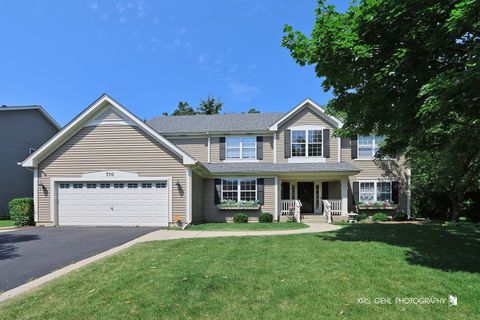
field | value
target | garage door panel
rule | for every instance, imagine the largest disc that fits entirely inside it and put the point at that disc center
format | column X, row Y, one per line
column 134, row 206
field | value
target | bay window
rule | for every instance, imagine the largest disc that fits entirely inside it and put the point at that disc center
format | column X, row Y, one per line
column 371, row 191
column 368, row 146
column 244, row 189
column 241, row 147
column 306, row 143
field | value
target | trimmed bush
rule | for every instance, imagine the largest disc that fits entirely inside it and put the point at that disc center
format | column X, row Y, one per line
column 380, row 216
column 400, row 216
column 21, row 211
column 240, row 218
column 362, row 216
column 265, row 217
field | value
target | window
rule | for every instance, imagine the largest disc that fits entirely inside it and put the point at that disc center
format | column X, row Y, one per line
column 118, row 185
column 146, row 185
column 241, row 147
column 307, row 143
column 368, row 146
column 239, row 189
column 371, row 191
column 64, row 185
column 132, row 185
column 104, row 185
column 77, row 185
column 161, row 185
column 91, row 185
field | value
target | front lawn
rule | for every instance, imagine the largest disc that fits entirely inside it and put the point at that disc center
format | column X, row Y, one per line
column 310, row 276
column 247, row 226
column 6, row 223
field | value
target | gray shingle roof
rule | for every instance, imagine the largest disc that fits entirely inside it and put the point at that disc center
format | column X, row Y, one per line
column 215, row 123
column 256, row 167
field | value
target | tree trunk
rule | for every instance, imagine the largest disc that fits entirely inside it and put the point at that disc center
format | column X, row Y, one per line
column 455, row 206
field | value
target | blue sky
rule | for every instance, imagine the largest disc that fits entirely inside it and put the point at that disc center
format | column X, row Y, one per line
column 149, row 55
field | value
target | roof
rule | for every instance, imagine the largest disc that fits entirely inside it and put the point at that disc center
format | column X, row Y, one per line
column 260, row 167
column 77, row 123
column 32, row 107
column 221, row 123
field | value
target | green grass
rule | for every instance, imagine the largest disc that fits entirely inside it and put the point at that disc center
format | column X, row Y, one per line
column 6, row 223
column 311, row 276
column 246, row 226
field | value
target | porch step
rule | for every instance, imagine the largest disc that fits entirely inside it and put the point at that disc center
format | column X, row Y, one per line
column 321, row 218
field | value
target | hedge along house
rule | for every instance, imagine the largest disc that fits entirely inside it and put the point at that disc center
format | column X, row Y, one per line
column 107, row 167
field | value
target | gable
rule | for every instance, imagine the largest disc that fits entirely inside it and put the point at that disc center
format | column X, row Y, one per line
column 306, row 117
column 104, row 110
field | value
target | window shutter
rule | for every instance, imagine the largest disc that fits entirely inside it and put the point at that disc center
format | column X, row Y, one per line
column 395, row 192
column 285, row 190
column 218, row 187
column 288, row 139
column 353, row 146
column 356, row 193
column 222, row 148
column 260, row 148
column 325, row 190
column 260, row 190
column 326, row 143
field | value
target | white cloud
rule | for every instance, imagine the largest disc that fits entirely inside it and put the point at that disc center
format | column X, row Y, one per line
column 241, row 91
column 93, row 5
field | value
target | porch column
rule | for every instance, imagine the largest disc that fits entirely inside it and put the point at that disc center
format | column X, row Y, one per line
column 344, row 194
column 276, row 214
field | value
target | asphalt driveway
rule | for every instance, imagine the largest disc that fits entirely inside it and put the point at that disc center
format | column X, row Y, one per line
column 31, row 253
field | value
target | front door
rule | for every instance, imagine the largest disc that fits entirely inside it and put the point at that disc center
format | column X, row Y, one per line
column 305, row 195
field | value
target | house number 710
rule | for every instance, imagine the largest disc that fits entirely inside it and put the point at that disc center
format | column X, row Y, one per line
column 110, row 174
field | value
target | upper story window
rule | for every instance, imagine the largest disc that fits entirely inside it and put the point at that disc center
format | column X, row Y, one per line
column 306, row 143
column 241, row 148
column 368, row 146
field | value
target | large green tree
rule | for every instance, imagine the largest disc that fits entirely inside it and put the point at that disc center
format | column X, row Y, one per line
column 210, row 106
column 408, row 70
column 184, row 109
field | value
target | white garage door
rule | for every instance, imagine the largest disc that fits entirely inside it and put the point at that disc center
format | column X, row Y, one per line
column 129, row 203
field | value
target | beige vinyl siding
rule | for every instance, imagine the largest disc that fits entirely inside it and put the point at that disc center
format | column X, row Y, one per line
column 212, row 214
column 375, row 169
column 195, row 147
column 197, row 198
column 111, row 147
column 305, row 116
column 267, row 149
column 109, row 115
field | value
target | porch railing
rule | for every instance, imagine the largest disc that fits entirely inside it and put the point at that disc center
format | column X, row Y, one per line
column 333, row 207
column 291, row 207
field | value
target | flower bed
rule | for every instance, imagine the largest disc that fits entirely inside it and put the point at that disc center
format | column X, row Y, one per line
column 238, row 205
column 385, row 205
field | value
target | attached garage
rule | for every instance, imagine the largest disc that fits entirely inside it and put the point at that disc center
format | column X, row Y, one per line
column 113, row 203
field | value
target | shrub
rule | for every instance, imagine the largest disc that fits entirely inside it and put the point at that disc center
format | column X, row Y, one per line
column 362, row 216
column 240, row 218
column 21, row 211
column 400, row 216
column 265, row 217
column 380, row 216
column 291, row 219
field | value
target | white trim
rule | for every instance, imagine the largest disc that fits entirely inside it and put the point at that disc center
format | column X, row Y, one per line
column 307, row 160
column 189, row 184
column 76, row 124
column 209, row 149
column 110, row 122
column 275, row 147
column 240, row 160
column 35, row 194
column 241, row 148
column 339, row 158
column 375, row 187
column 306, row 129
column 39, row 108
column 277, row 198
column 239, row 191
column 316, row 107
column 54, row 190
column 344, row 195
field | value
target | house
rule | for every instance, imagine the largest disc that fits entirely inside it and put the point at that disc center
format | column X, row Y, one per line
column 108, row 167
column 22, row 130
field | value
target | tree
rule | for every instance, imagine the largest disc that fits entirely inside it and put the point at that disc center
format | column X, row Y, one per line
column 253, row 110
column 408, row 70
column 184, row 109
column 210, row 106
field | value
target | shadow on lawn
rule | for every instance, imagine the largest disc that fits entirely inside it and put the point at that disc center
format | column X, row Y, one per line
column 7, row 249
column 452, row 248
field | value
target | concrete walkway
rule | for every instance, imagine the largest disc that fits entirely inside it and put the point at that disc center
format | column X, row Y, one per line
column 159, row 235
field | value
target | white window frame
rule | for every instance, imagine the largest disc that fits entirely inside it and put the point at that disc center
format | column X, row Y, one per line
column 306, row 129
column 241, row 148
column 239, row 191
column 374, row 146
column 375, row 188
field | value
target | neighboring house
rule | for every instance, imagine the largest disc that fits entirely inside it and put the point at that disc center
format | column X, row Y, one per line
column 108, row 167
column 22, row 130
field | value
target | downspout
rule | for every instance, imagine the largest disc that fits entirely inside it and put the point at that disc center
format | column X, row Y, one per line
column 189, row 198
